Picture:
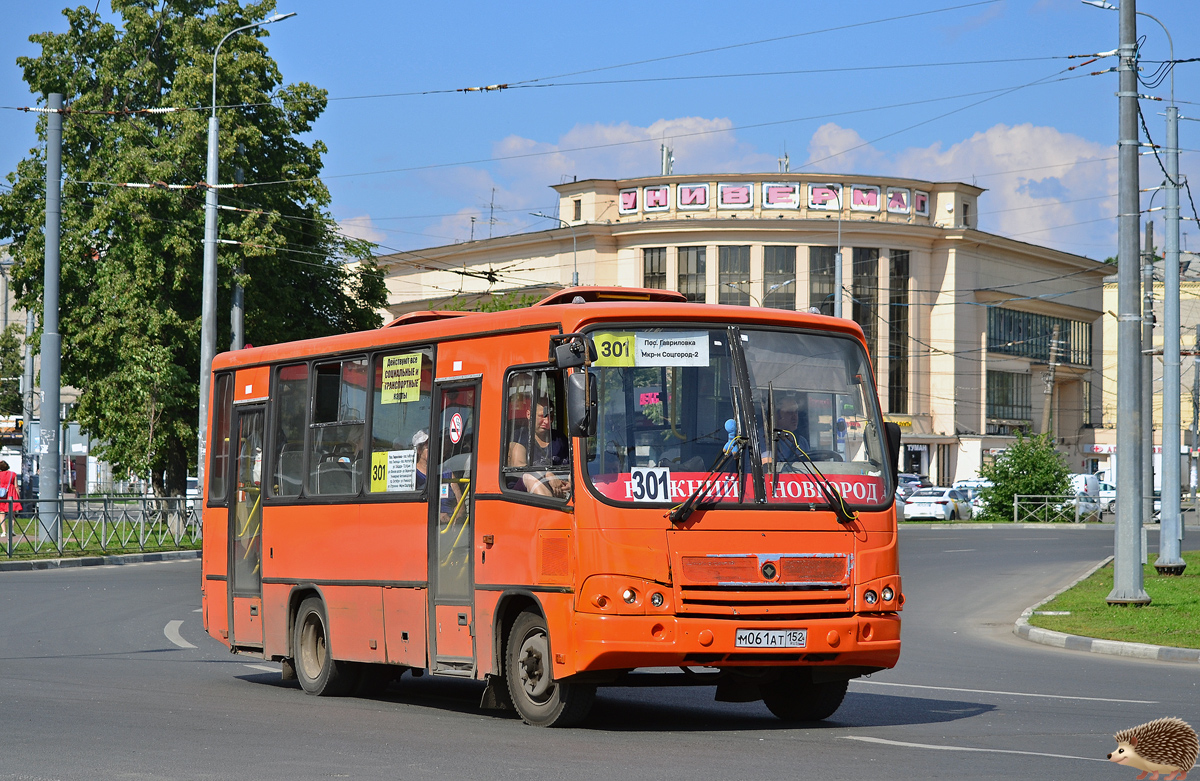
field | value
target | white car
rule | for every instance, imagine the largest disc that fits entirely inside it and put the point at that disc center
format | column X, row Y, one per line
column 1108, row 497
column 939, row 504
column 193, row 492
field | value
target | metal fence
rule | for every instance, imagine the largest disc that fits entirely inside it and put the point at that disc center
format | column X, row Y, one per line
column 99, row 525
column 1063, row 508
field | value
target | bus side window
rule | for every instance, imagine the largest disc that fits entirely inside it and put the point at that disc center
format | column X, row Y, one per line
column 401, row 405
column 336, row 449
column 218, row 472
column 537, row 458
column 291, row 411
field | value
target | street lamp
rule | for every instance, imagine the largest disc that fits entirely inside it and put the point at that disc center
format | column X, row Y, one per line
column 1169, row 562
column 574, row 253
column 208, row 297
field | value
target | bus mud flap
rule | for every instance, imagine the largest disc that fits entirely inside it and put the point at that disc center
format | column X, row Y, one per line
column 495, row 694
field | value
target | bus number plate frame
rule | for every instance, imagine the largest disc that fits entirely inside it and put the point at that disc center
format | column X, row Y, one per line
column 771, row 638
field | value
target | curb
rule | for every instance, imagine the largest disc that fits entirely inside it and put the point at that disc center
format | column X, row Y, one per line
column 1034, row 634
column 97, row 561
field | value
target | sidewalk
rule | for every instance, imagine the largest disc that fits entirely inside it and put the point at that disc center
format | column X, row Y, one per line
column 26, row 565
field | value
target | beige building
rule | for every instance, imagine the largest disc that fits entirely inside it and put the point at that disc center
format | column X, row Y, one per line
column 959, row 321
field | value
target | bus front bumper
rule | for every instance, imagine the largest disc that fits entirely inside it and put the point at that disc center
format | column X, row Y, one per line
column 608, row 642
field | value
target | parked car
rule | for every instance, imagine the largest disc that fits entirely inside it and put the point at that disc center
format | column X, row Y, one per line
column 193, row 492
column 1108, row 497
column 945, row 504
column 910, row 482
column 974, row 490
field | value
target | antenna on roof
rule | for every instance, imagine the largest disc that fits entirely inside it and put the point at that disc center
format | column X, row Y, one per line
column 785, row 164
column 668, row 160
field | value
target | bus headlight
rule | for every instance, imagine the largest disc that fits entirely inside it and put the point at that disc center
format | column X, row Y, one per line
column 656, row 599
column 887, row 594
column 629, row 595
column 870, row 597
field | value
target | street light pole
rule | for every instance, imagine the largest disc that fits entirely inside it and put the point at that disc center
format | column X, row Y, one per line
column 837, row 261
column 208, row 296
column 574, row 253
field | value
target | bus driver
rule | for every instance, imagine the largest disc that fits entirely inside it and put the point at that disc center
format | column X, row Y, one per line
column 540, row 452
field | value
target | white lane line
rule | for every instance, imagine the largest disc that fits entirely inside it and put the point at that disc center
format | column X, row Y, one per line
column 961, row 550
column 935, row 747
column 1007, row 694
column 171, row 630
column 265, row 668
column 198, row 610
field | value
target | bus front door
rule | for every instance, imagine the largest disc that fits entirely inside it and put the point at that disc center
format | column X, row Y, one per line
column 245, row 532
column 452, row 531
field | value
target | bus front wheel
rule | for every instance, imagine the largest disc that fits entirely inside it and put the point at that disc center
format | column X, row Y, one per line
column 318, row 672
column 796, row 698
column 539, row 699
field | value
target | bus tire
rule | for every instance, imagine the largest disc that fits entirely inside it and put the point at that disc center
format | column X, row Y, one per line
column 318, row 672
column 795, row 698
column 539, row 699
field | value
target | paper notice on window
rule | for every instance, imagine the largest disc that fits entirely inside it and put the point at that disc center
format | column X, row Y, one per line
column 684, row 348
column 394, row 470
column 401, row 378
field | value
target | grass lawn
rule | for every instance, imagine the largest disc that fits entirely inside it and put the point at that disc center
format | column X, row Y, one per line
column 1172, row 617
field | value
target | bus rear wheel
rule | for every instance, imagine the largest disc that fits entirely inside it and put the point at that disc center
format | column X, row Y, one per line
column 318, row 672
column 796, row 698
column 539, row 699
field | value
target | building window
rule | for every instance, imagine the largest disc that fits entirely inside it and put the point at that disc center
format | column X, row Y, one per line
column 966, row 211
column 1008, row 400
column 578, row 209
column 654, row 267
column 733, row 263
column 1086, row 420
column 865, row 289
column 898, row 334
column 691, row 273
column 1028, row 335
column 779, row 277
column 820, row 278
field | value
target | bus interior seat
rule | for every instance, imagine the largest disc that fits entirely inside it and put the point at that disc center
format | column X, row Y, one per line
column 335, row 477
column 289, row 470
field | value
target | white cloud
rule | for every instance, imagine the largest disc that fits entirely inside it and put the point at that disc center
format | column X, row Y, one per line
column 1044, row 186
column 362, row 227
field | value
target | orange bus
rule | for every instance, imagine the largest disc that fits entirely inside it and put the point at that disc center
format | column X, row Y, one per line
column 557, row 498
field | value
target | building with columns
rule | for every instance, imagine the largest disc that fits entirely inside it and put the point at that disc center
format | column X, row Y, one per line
column 960, row 322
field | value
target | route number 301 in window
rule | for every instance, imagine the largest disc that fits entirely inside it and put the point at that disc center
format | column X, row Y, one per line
column 650, row 484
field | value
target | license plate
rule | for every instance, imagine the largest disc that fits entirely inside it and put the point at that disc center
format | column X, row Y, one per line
column 771, row 638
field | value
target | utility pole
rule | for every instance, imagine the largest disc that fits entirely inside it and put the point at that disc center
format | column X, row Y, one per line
column 1192, row 451
column 1148, row 377
column 1127, row 542
column 27, row 392
column 1048, row 379
column 48, row 485
column 1170, row 529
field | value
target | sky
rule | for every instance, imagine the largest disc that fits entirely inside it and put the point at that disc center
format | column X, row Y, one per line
column 941, row 90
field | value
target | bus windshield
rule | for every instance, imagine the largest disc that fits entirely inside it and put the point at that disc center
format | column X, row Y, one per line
column 797, row 410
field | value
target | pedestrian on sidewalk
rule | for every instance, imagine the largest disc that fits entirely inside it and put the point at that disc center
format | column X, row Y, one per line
column 9, row 494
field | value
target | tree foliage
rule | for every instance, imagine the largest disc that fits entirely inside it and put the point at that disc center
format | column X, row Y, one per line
column 12, row 341
column 132, row 259
column 1030, row 466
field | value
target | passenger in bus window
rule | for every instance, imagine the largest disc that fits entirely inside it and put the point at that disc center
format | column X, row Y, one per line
column 541, row 448
column 420, row 443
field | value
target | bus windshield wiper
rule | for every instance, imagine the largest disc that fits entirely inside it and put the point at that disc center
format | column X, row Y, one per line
column 833, row 497
column 733, row 447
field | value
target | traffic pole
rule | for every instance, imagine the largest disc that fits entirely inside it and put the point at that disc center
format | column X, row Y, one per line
column 1127, row 552
column 48, row 484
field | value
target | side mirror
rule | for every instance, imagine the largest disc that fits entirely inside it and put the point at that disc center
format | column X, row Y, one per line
column 892, row 431
column 582, row 400
column 569, row 355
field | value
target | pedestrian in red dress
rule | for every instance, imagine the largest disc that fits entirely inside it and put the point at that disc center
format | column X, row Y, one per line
column 9, row 494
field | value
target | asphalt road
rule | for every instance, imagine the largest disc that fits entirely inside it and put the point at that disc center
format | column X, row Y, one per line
column 94, row 685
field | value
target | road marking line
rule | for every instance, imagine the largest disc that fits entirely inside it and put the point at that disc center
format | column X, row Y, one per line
column 171, row 630
column 966, row 748
column 960, row 550
column 263, row 667
column 1008, row 694
column 198, row 610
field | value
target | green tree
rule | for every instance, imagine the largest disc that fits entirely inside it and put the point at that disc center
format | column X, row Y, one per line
column 1030, row 465
column 132, row 258
column 12, row 361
